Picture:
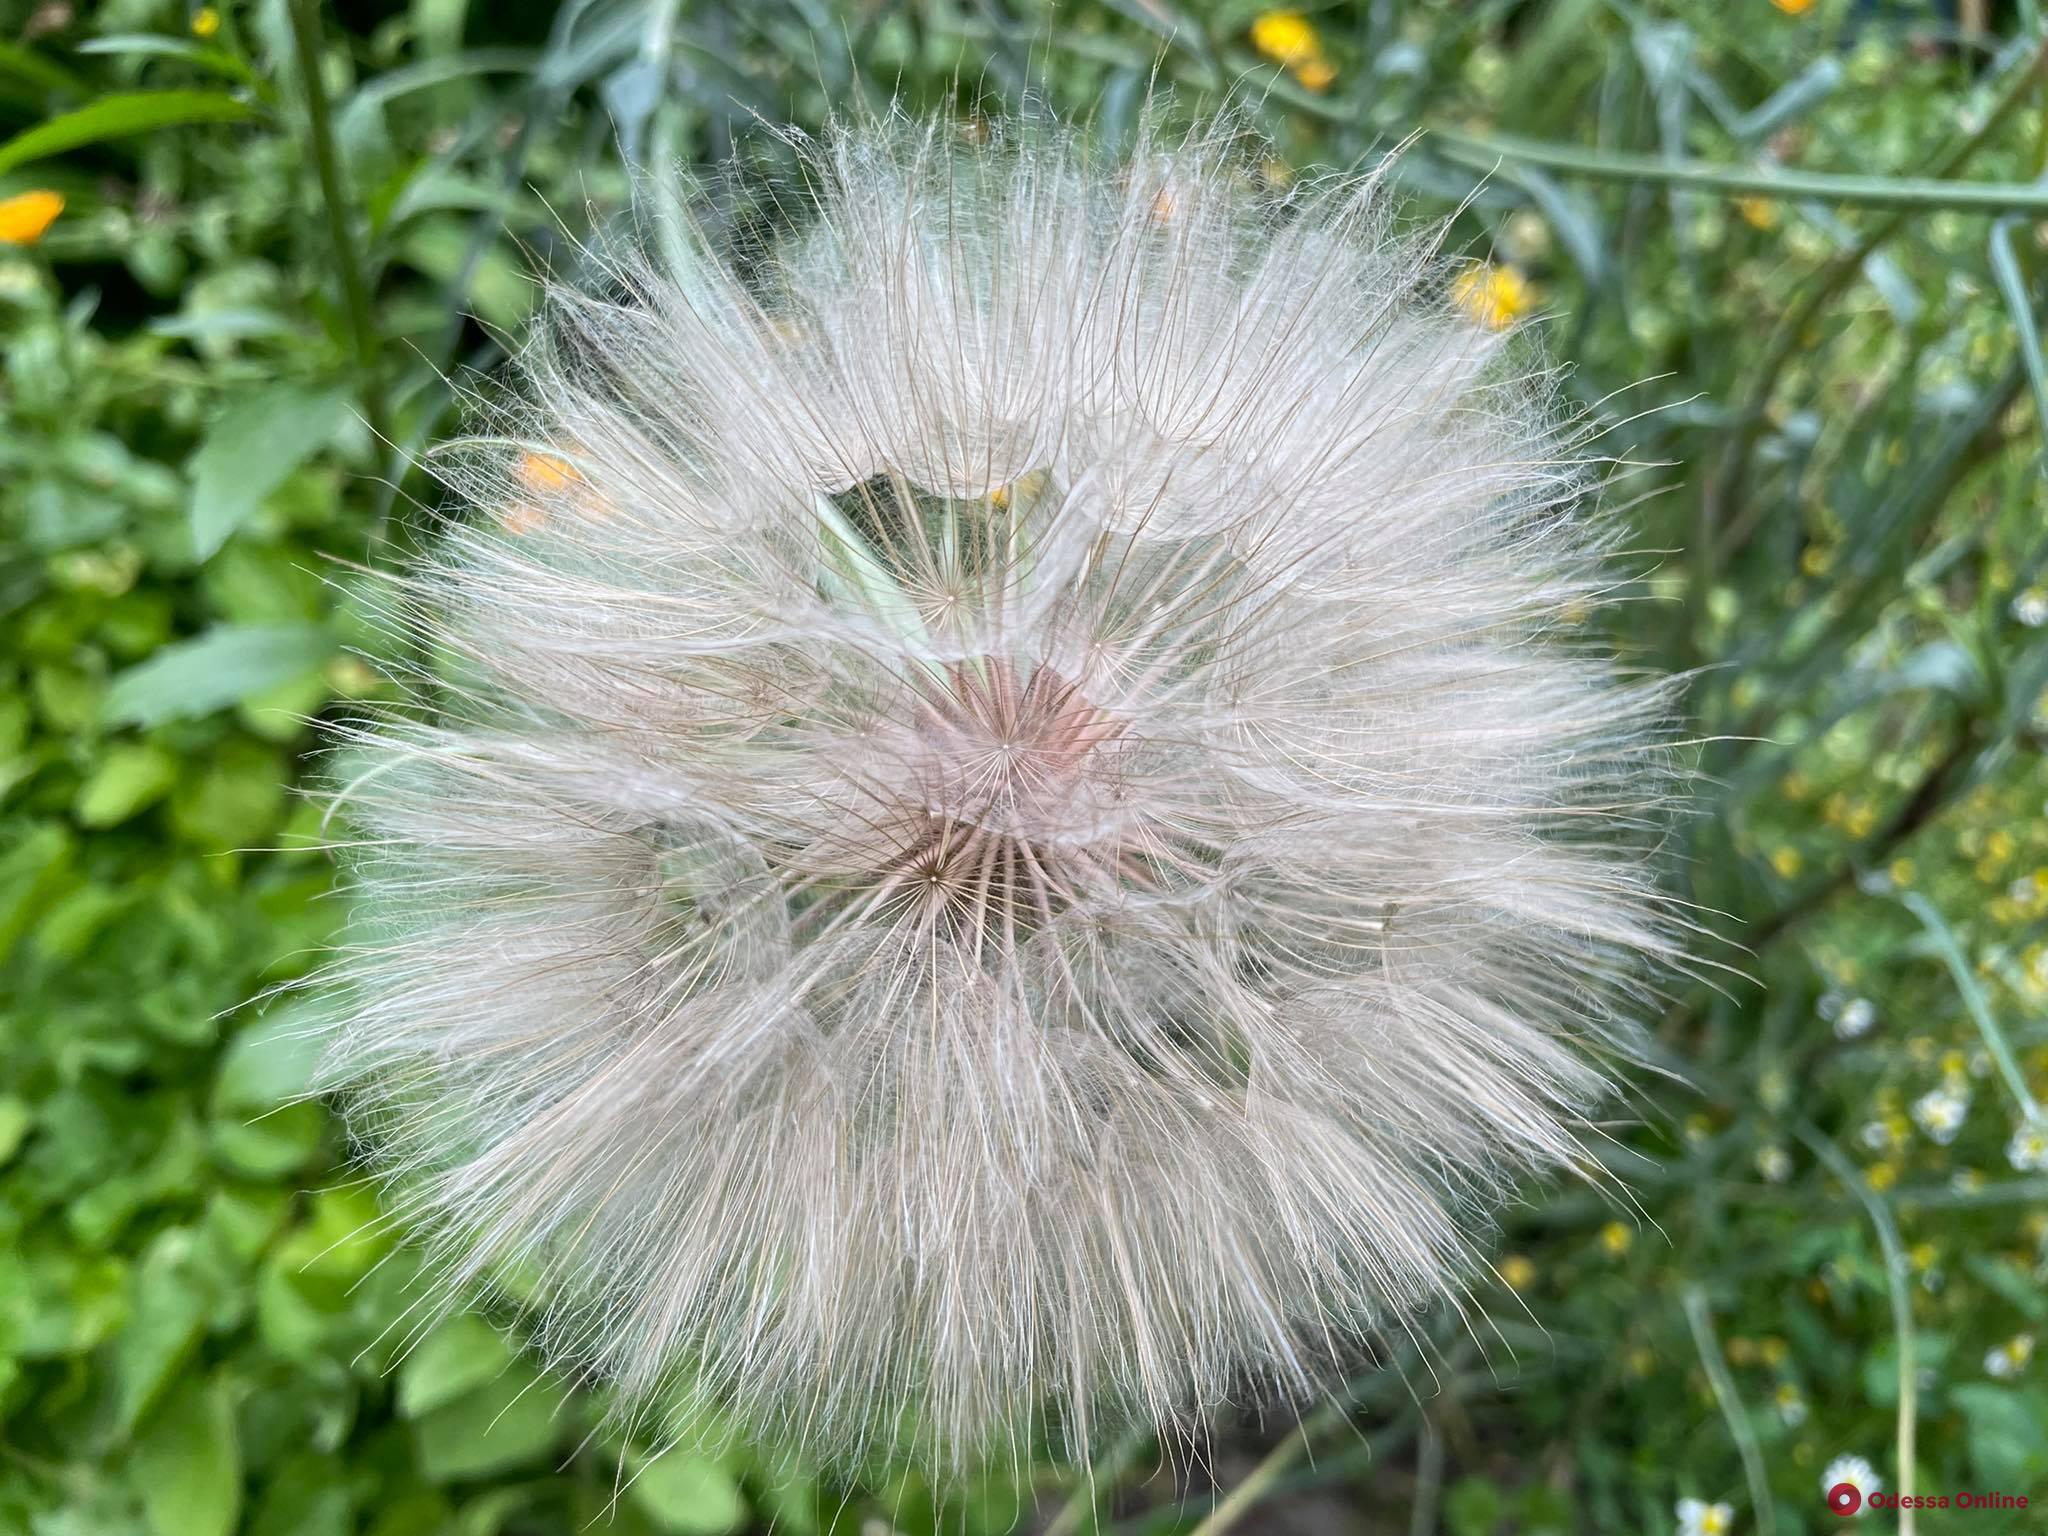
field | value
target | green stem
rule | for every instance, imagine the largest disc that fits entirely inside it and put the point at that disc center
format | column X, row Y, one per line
column 1259, row 1482
column 1702, row 1325
column 1896, row 1270
column 1974, row 1000
column 355, row 290
column 1099, row 1481
column 1484, row 151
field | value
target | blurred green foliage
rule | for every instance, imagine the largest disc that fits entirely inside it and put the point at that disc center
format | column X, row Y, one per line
column 1826, row 400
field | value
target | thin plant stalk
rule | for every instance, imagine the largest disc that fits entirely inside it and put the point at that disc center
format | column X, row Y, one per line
column 1895, row 1269
column 1702, row 1324
column 348, row 258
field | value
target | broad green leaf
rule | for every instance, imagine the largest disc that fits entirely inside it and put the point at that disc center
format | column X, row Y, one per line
column 120, row 115
column 252, row 450
column 2008, row 1434
column 498, row 290
column 188, row 1466
column 127, row 780
column 688, row 1495
column 512, row 1420
column 175, row 1290
column 16, row 1116
column 221, row 667
column 308, row 1495
column 29, row 872
column 459, row 1356
column 268, row 1146
column 268, row 1063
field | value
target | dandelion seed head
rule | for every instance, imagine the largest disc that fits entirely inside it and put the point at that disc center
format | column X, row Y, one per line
column 1005, row 827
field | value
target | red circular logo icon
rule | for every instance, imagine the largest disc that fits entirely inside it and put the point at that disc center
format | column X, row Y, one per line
column 1845, row 1498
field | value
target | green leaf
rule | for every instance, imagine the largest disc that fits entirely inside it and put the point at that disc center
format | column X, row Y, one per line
column 509, row 1421
column 188, row 1466
column 154, row 45
column 127, row 780
column 252, row 450
column 459, row 1356
column 269, row 1063
column 118, row 116
column 688, row 1495
column 271, row 1145
column 16, row 1117
column 175, row 1289
column 31, row 67
column 2008, row 1434
column 221, row 667
column 2012, row 287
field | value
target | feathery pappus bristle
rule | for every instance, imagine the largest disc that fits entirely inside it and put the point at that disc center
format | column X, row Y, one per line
column 1008, row 823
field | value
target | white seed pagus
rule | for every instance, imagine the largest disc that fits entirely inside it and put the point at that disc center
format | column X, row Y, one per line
column 1008, row 825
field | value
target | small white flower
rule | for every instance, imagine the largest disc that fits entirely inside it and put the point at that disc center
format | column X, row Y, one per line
column 2031, row 607
column 1853, row 1470
column 1775, row 1164
column 1875, row 1135
column 2028, row 1149
column 1696, row 1517
column 1830, row 1006
column 1791, row 1406
column 1940, row 1114
column 1855, row 1019
column 2011, row 1357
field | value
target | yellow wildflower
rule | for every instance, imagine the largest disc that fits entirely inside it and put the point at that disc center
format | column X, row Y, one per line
column 1787, row 862
column 1773, row 1351
column 1286, row 38
column 1793, row 7
column 1758, row 212
column 205, row 22
column 1616, row 1238
column 1316, row 74
column 1881, row 1176
column 1518, row 1271
column 25, row 216
column 1289, row 40
column 1494, row 296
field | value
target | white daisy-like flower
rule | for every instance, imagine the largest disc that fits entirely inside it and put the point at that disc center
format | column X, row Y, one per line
column 2031, row 607
column 1696, row 1517
column 1940, row 1114
column 1856, row 1471
column 1774, row 1163
column 2028, row 1149
column 1012, row 824
column 1855, row 1018
column 2011, row 1357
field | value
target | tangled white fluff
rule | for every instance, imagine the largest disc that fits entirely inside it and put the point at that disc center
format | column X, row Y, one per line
column 1007, row 824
